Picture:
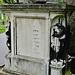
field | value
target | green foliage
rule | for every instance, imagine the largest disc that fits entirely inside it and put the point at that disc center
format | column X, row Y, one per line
column 61, row 2
column 3, row 23
column 8, row 2
column 11, row 1
column 2, row 2
column 2, row 29
column 68, row 72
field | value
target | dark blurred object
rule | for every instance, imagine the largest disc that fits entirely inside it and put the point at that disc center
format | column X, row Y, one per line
column 8, row 33
column 72, row 66
column 72, row 37
column 71, row 51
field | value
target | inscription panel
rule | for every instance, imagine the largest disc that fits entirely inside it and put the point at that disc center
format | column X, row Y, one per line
column 31, row 37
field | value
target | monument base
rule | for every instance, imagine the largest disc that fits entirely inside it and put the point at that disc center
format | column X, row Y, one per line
column 22, row 65
column 56, row 68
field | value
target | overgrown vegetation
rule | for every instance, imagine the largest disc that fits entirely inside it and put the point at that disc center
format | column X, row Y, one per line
column 2, row 22
column 4, row 2
column 68, row 72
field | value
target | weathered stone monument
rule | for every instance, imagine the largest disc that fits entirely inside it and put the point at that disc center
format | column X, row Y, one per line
column 31, row 48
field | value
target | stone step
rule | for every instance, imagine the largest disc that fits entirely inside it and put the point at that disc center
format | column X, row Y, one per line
column 2, row 72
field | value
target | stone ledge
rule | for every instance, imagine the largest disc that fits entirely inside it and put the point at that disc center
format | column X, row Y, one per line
column 57, row 7
column 27, row 58
column 3, row 71
column 34, row 6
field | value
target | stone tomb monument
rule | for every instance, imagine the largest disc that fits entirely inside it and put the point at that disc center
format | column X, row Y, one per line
column 30, row 36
